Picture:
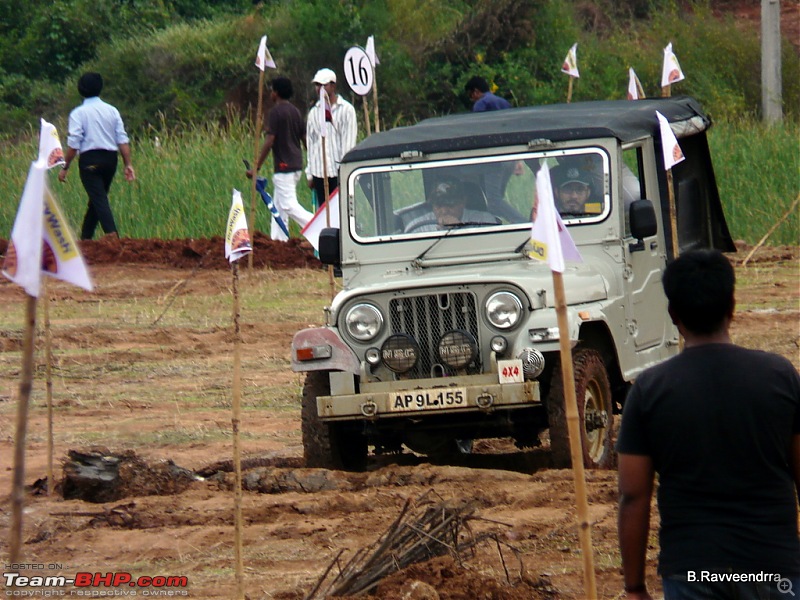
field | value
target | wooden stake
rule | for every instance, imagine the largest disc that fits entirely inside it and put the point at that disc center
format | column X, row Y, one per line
column 375, row 99
column 25, row 386
column 666, row 91
column 673, row 214
column 569, row 89
column 256, row 147
column 235, row 420
column 48, row 368
column 772, row 229
column 366, row 116
column 575, row 439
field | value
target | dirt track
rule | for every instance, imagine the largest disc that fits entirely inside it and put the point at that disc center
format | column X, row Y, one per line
column 162, row 390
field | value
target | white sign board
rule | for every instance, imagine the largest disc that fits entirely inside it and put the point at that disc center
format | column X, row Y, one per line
column 358, row 70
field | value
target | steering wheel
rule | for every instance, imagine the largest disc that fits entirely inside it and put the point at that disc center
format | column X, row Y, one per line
column 412, row 227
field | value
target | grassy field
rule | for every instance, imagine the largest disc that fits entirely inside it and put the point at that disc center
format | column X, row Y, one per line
column 185, row 180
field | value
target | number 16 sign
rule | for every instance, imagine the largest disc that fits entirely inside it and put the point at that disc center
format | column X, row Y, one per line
column 358, row 70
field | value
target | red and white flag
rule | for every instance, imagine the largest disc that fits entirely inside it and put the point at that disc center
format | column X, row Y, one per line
column 263, row 57
column 635, row 90
column 237, row 236
column 320, row 221
column 373, row 57
column 671, row 71
column 550, row 239
column 669, row 143
column 324, row 111
column 570, row 66
column 50, row 151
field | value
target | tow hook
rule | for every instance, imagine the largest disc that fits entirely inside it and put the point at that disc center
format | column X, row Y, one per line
column 484, row 400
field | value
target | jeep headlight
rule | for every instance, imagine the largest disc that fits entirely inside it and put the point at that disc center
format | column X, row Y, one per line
column 503, row 309
column 363, row 322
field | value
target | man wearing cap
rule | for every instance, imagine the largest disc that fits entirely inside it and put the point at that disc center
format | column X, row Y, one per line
column 573, row 189
column 342, row 130
column 448, row 208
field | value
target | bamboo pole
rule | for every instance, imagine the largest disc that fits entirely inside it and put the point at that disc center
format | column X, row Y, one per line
column 575, row 439
column 366, row 116
column 673, row 214
column 25, row 385
column 48, row 367
column 375, row 99
column 772, row 229
column 326, row 187
column 569, row 89
column 256, row 147
column 235, row 421
column 666, row 91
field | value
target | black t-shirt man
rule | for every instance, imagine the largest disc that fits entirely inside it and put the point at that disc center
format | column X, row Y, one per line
column 287, row 125
column 717, row 422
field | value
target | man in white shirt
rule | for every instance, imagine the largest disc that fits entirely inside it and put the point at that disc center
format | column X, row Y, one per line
column 341, row 137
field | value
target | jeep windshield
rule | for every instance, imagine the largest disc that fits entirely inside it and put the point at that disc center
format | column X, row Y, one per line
column 474, row 195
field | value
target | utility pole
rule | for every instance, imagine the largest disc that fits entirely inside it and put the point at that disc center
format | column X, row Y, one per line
column 771, row 92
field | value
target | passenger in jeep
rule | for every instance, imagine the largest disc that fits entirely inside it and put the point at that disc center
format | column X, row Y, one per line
column 448, row 209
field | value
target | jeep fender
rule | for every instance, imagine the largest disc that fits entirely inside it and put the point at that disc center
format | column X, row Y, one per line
column 321, row 349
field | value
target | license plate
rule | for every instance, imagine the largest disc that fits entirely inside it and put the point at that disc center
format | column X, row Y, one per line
column 433, row 399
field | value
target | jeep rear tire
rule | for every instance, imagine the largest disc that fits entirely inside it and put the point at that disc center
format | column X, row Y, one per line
column 328, row 445
column 595, row 413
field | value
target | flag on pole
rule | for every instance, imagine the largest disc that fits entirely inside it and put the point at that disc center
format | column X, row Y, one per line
column 324, row 112
column 261, row 187
column 635, row 90
column 570, row 66
column 550, row 240
column 671, row 71
column 50, row 151
column 669, row 143
column 61, row 257
column 23, row 262
column 237, row 236
column 263, row 57
column 313, row 228
column 371, row 54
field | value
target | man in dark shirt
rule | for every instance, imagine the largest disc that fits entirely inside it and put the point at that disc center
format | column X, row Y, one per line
column 720, row 424
column 484, row 100
column 286, row 130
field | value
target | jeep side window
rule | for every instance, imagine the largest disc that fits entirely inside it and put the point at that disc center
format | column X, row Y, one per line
column 632, row 181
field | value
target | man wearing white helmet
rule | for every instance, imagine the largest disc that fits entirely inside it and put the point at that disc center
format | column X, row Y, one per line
column 342, row 129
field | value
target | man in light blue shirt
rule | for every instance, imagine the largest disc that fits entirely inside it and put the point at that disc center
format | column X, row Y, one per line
column 96, row 134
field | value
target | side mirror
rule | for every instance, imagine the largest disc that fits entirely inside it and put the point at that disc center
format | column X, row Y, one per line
column 643, row 222
column 329, row 248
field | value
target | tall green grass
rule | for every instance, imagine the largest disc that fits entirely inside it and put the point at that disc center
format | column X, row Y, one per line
column 185, row 181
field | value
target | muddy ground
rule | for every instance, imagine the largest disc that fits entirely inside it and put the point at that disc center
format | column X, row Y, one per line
column 143, row 365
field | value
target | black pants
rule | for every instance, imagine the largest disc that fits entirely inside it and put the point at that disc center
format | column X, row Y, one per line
column 319, row 190
column 97, row 169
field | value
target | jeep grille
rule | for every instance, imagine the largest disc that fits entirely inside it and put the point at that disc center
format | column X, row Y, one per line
column 427, row 319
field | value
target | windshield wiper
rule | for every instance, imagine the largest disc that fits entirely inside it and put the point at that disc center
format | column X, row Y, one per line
column 415, row 262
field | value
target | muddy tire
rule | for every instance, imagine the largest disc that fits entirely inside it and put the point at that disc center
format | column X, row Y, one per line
column 595, row 413
column 328, row 445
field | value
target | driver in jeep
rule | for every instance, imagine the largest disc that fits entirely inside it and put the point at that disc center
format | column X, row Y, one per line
column 573, row 183
column 448, row 209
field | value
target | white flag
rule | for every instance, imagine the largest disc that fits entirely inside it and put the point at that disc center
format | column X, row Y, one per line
column 570, row 66
column 237, row 237
column 373, row 57
column 550, row 240
column 635, row 90
column 61, row 257
column 263, row 57
column 671, row 71
column 669, row 143
column 319, row 222
column 50, row 152
column 23, row 262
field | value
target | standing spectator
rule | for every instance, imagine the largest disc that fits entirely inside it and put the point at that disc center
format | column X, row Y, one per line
column 496, row 177
column 96, row 133
column 720, row 424
column 285, row 132
column 341, row 136
column 484, row 100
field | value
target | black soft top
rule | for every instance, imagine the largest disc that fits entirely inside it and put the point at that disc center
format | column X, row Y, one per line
column 626, row 120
